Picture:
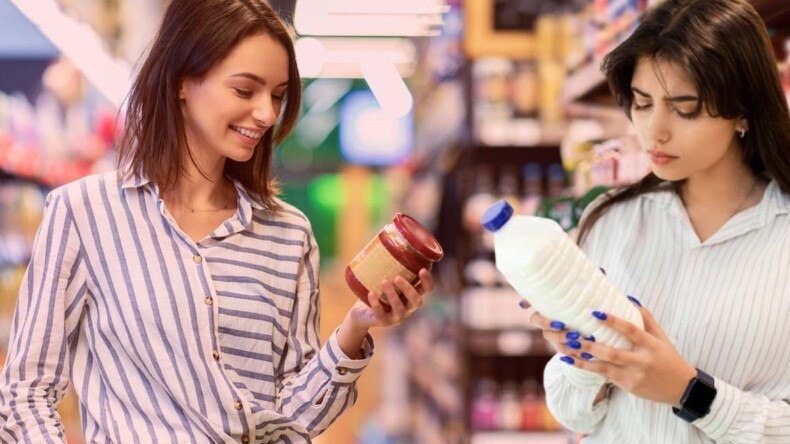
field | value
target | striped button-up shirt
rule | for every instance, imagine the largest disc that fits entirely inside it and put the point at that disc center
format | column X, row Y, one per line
column 724, row 302
column 165, row 339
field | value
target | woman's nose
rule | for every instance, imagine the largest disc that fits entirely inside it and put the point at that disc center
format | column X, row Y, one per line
column 264, row 113
column 658, row 129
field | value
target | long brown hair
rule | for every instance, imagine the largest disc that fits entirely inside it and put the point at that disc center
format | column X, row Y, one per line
column 725, row 49
column 195, row 35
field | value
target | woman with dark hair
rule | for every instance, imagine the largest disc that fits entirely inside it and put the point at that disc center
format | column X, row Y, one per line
column 704, row 241
column 180, row 294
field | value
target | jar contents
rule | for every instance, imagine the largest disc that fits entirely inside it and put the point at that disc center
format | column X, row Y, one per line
column 401, row 248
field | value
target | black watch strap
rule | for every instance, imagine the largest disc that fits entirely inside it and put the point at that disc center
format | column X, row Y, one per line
column 698, row 397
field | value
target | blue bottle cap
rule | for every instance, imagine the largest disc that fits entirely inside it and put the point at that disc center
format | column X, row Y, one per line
column 496, row 216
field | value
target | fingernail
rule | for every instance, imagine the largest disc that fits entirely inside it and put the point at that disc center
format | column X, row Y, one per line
column 567, row 360
column 522, row 303
column 586, row 356
column 634, row 300
column 572, row 335
column 600, row 315
column 590, row 338
column 602, row 270
column 574, row 344
column 557, row 325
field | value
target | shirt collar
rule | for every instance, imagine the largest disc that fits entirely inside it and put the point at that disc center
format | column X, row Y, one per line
column 774, row 201
column 129, row 180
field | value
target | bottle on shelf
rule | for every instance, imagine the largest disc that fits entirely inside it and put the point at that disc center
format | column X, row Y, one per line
column 532, row 407
column 508, row 186
column 509, row 407
column 484, row 406
column 532, row 190
column 786, row 73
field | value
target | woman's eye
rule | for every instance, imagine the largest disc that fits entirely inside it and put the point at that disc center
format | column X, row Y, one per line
column 638, row 107
column 688, row 116
column 243, row 93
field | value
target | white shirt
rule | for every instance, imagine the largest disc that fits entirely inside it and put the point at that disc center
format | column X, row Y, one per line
column 167, row 340
column 725, row 303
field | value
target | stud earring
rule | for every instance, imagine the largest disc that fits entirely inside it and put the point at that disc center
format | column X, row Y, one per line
column 742, row 133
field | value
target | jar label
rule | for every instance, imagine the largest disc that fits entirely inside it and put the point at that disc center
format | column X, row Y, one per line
column 375, row 263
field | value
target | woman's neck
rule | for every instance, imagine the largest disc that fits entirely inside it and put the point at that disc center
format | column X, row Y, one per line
column 730, row 191
column 202, row 189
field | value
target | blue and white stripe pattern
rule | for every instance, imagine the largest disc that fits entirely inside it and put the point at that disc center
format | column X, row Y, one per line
column 165, row 339
column 724, row 302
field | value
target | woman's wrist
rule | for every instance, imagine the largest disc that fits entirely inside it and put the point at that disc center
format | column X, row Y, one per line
column 350, row 337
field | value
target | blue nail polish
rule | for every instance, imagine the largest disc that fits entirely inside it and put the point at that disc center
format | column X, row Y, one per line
column 557, row 325
column 602, row 270
column 634, row 300
column 600, row 315
column 586, row 356
column 574, row 344
column 590, row 338
column 567, row 360
column 573, row 335
column 522, row 303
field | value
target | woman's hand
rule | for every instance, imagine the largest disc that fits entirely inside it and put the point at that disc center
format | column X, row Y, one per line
column 413, row 297
column 554, row 332
column 361, row 317
column 653, row 369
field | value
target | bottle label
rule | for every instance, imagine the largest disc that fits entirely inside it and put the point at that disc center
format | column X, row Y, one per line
column 375, row 263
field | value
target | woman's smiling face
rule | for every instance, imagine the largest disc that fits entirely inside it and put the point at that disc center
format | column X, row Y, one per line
column 228, row 111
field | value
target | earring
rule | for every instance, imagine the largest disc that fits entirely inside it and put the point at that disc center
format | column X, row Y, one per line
column 742, row 133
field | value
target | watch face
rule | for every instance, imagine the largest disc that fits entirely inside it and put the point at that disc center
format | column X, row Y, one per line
column 700, row 398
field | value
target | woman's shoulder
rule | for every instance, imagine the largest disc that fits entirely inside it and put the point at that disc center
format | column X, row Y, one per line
column 287, row 216
column 87, row 188
column 659, row 198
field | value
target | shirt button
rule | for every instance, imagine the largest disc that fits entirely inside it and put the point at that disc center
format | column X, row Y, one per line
column 237, row 405
column 197, row 259
column 215, row 355
column 209, row 301
column 245, row 439
column 342, row 371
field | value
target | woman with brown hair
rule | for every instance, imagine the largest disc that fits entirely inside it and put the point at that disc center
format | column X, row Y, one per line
column 704, row 241
column 180, row 294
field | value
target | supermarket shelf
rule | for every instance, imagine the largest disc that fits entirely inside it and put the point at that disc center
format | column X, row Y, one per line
column 584, row 83
column 510, row 342
column 522, row 438
column 588, row 84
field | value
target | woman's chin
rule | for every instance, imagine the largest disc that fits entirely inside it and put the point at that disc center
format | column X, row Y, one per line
column 668, row 175
column 240, row 157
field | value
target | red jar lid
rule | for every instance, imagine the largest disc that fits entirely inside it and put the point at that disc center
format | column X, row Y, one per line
column 418, row 237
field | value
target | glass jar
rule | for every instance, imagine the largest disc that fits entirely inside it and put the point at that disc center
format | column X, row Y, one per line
column 401, row 248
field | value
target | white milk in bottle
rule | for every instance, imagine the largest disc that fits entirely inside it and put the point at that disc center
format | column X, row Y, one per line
column 546, row 267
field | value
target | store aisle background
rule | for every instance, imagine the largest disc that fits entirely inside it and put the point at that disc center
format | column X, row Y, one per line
column 499, row 99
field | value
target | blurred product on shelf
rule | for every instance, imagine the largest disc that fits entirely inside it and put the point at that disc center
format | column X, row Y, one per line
column 510, row 406
column 785, row 70
column 62, row 135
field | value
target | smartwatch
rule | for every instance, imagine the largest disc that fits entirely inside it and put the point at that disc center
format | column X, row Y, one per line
column 697, row 398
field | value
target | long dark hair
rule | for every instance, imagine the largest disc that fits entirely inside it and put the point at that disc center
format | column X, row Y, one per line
column 725, row 49
column 193, row 37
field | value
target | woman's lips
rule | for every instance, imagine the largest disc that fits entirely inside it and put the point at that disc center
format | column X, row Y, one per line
column 660, row 158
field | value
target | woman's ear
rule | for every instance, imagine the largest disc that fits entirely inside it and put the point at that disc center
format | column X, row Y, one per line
column 742, row 125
